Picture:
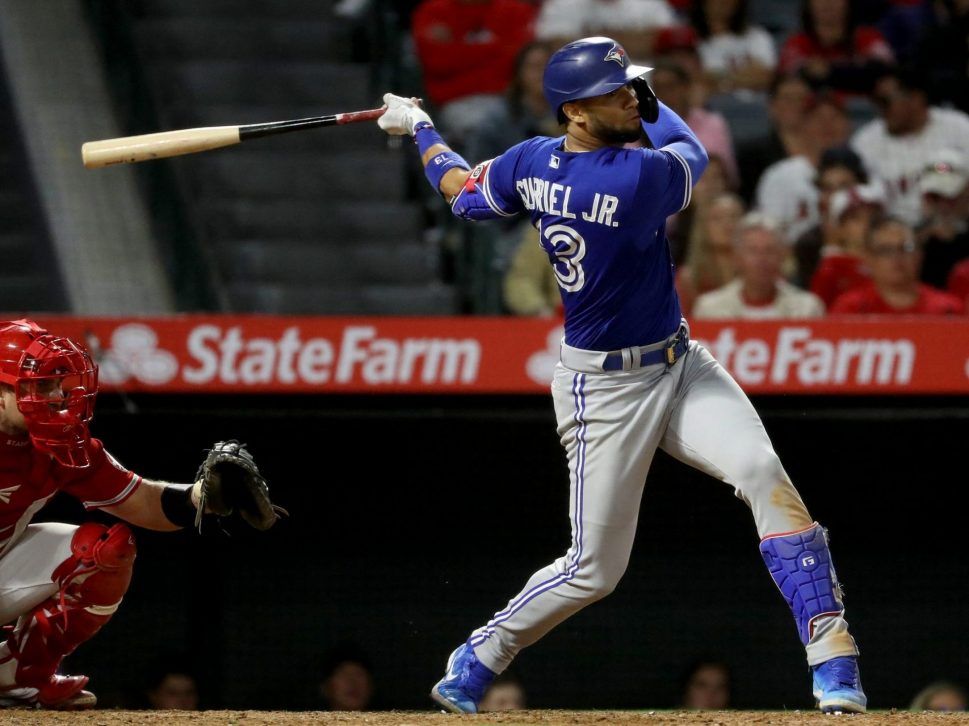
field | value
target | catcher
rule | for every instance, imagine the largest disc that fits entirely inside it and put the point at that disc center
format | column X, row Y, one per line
column 62, row 582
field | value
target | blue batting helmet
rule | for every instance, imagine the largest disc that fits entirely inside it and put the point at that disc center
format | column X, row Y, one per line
column 586, row 68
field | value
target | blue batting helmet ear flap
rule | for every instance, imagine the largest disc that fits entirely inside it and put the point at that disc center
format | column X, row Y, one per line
column 593, row 67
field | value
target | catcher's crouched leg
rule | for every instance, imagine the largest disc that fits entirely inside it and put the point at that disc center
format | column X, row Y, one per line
column 92, row 582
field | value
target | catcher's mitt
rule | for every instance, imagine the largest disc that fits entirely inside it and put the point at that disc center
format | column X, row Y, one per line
column 229, row 481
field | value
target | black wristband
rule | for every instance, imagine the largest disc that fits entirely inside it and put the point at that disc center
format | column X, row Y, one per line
column 176, row 501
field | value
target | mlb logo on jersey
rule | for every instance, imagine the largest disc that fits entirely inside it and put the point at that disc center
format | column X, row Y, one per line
column 617, row 53
column 553, row 161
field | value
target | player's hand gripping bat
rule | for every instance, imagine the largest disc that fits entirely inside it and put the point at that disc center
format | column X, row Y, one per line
column 129, row 149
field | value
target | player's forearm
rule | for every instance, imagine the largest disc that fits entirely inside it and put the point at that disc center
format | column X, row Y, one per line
column 435, row 156
column 156, row 505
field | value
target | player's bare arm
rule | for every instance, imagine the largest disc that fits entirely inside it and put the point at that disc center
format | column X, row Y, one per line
column 146, row 507
column 228, row 483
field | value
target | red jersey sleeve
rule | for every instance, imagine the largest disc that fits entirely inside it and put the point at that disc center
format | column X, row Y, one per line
column 103, row 484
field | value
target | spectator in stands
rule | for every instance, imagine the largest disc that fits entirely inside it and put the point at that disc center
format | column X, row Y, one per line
column 942, row 54
column 679, row 44
column 172, row 685
column 710, row 261
column 786, row 191
column 632, row 23
column 530, row 285
column 525, row 112
column 896, row 147
column 346, row 682
column 467, row 51
column 671, row 83
column 506, row 693
column 944, row 232
column 843, row 266
column 759, row 291
column 832, row 51
column 788, row 97
column 941, row 696
column 839, row 168
column 735, row 54
column 958, row 283
column 681, row 227
column 894, row 260
column 707, row 686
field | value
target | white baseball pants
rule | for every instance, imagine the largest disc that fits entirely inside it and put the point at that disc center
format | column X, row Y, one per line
column 610, row 425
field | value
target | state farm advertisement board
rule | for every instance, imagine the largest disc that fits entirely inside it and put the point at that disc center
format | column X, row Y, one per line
column 266, row 354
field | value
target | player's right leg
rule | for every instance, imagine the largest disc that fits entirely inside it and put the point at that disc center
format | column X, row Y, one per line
column 715, row 428
column 64, row 582
column 610, row 426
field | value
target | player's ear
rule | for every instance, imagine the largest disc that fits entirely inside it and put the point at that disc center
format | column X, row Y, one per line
column 573, row 111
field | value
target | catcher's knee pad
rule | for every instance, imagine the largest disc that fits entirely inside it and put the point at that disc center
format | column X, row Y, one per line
column 99, row 569
column 800, row 564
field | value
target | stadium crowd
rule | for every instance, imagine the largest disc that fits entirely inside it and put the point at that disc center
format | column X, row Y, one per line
column 838, row 137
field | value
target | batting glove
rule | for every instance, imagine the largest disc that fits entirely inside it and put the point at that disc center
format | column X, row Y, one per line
column 402, row 115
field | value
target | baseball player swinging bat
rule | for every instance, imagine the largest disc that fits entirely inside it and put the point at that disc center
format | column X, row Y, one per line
column 129, row 149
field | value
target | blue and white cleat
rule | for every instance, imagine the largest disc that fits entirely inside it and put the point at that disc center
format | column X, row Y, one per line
column 837, row 686
column 465, row 682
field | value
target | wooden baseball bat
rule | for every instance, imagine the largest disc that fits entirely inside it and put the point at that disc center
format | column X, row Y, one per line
column 129, row 149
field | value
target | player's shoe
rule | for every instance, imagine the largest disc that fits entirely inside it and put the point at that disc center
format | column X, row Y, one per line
column 465, row 682
column 62, row 693
column 837, row 686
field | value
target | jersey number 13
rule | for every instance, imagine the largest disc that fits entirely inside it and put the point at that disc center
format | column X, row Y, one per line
column 567, row 248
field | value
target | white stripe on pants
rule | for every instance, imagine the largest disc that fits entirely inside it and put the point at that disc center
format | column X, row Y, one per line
column 610, row 425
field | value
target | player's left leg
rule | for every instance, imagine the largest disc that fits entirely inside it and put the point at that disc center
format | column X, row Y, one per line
column 794, row 547
column 65, row 582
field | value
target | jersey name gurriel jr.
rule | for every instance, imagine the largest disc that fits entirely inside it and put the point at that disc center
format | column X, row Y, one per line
column 601, row 217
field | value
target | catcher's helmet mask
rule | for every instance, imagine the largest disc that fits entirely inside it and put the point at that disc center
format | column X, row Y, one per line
column 55, row 382
column 594, row 67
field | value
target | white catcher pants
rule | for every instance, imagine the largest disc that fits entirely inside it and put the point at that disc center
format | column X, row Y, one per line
column 27, row 566
column 611, row 425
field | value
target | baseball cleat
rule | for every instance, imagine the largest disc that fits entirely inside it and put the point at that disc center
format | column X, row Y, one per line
column 837, row 686
column 62, row 693
column 465, row 682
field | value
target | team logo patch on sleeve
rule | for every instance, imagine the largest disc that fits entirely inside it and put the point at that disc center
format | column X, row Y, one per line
column 476, row 175
column 618, row 54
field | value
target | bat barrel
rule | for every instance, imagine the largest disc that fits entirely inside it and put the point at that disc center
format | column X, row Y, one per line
column 130, row 149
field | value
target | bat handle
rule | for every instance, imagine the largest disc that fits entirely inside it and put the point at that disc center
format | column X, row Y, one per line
column 254, row 131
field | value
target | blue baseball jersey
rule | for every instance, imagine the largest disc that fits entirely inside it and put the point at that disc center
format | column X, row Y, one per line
column 601, row 216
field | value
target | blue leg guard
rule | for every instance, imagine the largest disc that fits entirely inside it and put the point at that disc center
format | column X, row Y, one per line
column 800, row 564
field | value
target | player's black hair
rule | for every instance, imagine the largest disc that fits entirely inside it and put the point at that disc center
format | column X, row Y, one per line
column 845, row 157
column 698, row 18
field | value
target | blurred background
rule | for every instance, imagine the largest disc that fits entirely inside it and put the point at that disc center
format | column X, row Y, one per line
column 417, row 515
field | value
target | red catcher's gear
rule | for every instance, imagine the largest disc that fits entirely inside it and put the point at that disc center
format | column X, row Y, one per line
column 93, row 580
column 56, row 382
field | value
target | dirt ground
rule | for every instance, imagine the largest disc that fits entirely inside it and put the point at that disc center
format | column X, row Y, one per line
column 418, row 718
